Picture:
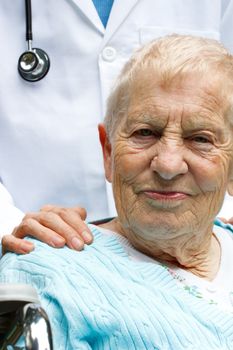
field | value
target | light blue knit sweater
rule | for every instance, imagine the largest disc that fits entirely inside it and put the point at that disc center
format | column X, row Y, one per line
column 101, row 299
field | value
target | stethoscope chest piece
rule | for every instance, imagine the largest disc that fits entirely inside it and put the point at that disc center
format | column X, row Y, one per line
column 33, row 64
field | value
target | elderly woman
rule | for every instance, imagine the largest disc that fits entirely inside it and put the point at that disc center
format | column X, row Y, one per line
column 159, row 276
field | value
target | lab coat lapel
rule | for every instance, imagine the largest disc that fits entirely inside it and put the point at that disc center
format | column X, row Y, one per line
column 120, row 10
column 88, row 9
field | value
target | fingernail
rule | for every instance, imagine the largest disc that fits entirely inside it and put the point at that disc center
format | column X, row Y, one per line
column 57, row 241
column 27, row 247
column 76, row 243
column 26, row 251
column 87, row 236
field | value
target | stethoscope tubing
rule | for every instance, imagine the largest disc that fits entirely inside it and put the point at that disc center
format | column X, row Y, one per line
column 34, row 63
column 28, row 14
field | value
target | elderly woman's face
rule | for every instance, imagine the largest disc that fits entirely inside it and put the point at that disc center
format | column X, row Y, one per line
column 171, row 157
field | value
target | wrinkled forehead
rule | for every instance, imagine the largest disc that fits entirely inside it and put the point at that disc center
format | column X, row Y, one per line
column 191, row 94
column 147, row 82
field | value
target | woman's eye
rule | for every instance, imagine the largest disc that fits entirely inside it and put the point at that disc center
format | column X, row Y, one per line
column 145, row 132
column 201, row 139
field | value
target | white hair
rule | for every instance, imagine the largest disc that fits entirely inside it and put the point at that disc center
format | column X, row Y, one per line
column 170, row 59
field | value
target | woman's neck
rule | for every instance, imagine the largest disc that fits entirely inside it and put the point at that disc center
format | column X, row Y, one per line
column 199, row 253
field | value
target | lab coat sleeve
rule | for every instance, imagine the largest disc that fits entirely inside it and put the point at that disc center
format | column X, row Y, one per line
column 226, row 29
column 10, row 216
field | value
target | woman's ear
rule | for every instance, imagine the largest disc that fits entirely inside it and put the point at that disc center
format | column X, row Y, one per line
column 107, row 151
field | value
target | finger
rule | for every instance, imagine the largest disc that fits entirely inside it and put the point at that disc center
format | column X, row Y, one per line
column 55, row 223
column 16, row 245
column 48, row 207
column 81, row 211
column 57, row 209
column 34, row 228
column 73, row 219
column 231, row 221
column 223, row 220
column 49, row 228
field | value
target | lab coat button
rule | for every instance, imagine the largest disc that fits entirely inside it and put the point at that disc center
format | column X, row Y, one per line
column 109, row 54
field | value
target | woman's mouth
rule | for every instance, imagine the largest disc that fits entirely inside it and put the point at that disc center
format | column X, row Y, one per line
column 163, row 195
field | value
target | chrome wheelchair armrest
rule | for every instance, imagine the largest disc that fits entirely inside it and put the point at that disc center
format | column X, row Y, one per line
column 24, row 325
column 29, row 331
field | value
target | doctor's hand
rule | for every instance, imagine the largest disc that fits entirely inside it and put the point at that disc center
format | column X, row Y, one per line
column 53, row 225
column 229, row 221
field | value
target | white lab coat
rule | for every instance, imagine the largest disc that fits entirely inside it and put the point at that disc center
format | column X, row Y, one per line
column 49, row 148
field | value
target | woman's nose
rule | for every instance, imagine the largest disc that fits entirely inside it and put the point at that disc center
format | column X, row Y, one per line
column 169, row 162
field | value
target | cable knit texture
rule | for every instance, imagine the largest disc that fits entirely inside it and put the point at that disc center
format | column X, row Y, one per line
column 101, row 299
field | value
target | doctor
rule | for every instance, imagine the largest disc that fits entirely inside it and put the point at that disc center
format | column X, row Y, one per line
column 48, row 134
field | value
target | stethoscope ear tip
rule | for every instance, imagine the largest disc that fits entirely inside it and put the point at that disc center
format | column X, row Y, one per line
column 33, row 65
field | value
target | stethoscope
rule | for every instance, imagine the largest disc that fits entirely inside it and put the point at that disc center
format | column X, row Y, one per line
column 33, row 64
